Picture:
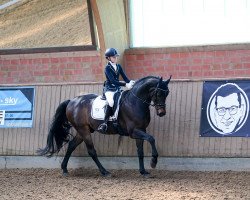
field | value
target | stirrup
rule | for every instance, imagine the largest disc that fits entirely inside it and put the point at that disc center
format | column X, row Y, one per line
column 103, row 127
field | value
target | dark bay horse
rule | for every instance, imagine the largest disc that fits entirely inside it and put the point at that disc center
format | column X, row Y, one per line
column 133, row 119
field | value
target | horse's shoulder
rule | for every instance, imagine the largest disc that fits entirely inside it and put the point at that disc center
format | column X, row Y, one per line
column 125, row 92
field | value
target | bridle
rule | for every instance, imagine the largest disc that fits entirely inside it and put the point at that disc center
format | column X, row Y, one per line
column 154, row 93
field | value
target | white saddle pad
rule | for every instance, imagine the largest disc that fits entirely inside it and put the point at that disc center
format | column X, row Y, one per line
column 98, row 106
column 97, row 110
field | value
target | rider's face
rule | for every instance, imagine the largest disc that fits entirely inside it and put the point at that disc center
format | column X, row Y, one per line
column 228, row 112
column 113, row 59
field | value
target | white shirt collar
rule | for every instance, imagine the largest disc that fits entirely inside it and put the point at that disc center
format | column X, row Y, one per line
column 113, row 65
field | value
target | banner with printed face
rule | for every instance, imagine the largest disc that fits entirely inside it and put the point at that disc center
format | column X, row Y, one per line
column 16, row 107
column 225, row 109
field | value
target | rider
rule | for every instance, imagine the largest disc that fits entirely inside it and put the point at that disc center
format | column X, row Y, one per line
column 112, row 84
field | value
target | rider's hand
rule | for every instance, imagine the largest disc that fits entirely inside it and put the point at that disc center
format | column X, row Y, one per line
column 129, row 85
column 132, row 82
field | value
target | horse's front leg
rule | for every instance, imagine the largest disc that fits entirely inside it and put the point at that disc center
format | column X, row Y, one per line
column 140, row 153
column 139, row 134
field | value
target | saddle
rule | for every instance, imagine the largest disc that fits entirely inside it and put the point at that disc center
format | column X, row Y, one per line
column 99, row 104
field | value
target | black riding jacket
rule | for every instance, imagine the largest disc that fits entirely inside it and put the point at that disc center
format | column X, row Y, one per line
column 112, row 83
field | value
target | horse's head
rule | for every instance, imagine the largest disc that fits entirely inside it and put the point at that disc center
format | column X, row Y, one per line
column 152, row 89
column 159, row 95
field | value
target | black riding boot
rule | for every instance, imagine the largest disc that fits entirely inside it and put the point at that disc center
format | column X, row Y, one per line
column 104, row 126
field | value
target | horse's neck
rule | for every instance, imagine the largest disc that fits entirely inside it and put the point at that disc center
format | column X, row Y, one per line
column 143, row 91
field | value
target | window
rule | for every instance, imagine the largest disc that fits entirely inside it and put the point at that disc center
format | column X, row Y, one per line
column 163, row 23
column 44, row 23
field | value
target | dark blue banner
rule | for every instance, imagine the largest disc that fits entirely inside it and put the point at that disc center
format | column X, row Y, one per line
column 225, row 109
column 16, row 107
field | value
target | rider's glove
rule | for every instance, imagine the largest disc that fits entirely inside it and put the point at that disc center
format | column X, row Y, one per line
column 132, row 82
column 129, row 85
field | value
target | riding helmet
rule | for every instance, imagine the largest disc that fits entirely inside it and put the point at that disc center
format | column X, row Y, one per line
column 111, row 52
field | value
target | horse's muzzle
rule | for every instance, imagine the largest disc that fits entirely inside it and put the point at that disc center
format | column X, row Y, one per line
column 161, row 112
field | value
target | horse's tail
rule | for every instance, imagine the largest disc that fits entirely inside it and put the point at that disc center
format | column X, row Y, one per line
column 58, row 133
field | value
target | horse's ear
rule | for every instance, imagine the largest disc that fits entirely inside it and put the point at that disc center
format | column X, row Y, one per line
column 167, row 81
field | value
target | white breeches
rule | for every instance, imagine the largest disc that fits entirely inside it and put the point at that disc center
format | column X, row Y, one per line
column 110, row 98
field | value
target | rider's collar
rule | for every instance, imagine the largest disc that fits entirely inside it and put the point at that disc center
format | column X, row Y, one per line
column 113, row 65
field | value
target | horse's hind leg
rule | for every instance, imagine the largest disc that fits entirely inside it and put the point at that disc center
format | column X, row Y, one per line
column 92, row 152
column 71, row 147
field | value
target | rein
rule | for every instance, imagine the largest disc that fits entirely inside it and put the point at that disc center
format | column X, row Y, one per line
column 148, row 103
column 143, row 101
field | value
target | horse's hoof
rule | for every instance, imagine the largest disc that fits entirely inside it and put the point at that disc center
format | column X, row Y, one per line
column 65, row 174
column 153, row 162
column 106, row 174
column 147, row 176
column 144, row 173
column 153, row 165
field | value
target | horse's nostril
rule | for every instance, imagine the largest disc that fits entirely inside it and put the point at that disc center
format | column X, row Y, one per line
column 161, row 113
